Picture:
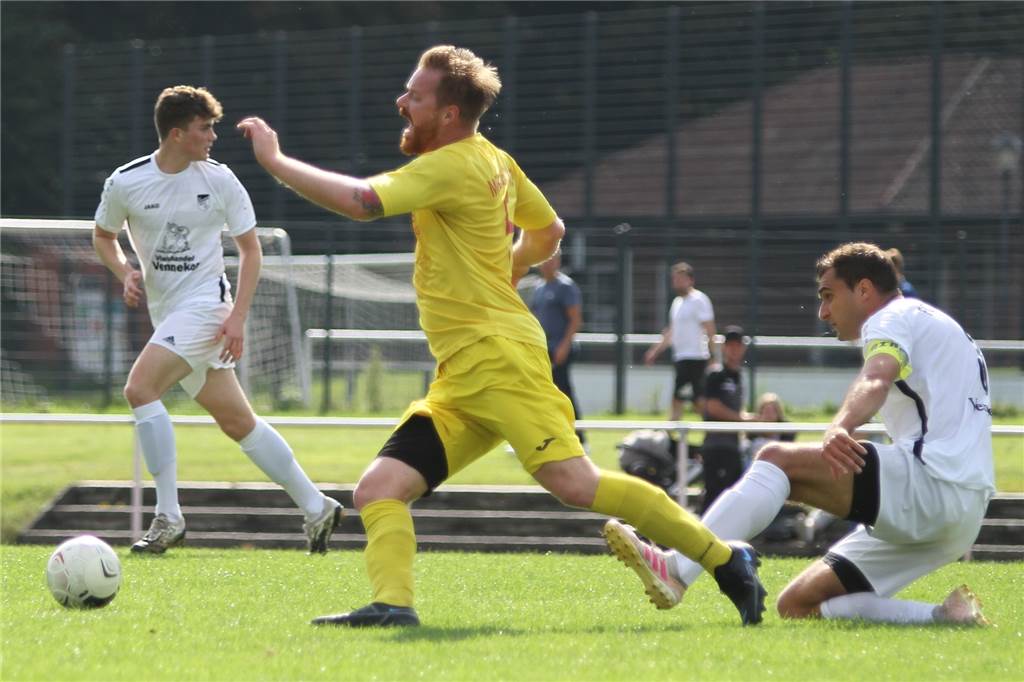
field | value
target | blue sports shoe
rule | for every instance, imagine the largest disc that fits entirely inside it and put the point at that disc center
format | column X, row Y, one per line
column 737, row 579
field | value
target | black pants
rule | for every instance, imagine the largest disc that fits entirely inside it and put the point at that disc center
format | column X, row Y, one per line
column 560, row 375
column 723, row 466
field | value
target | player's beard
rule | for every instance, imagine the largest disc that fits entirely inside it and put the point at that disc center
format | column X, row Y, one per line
column 416, row 138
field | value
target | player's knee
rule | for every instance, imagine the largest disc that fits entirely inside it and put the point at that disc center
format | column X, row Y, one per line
column 574, row 494
column 774, row 453
column 364, row 494
column 236, row 426
column 792, row 604
column 138, row 394
column 573, row 482
column 371, row 489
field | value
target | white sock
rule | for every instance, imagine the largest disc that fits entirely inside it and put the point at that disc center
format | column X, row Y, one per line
column 156, row 436
column 269, row 451
column 740, row 513
column 868, row 606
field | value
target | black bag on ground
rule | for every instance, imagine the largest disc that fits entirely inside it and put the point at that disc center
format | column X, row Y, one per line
column 649, row 454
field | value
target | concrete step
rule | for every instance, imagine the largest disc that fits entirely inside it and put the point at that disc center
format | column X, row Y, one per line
column 1001, row 532
column 277, row 521
column 478, row 518
column 997, row 553
column 197, row 494
column 1006, row 506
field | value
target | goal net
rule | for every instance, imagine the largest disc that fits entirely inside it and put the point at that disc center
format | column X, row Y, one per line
column 361, row 327
column 67, row 334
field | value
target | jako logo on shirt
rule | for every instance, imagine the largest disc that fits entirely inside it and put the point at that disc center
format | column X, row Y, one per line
column 204, row 201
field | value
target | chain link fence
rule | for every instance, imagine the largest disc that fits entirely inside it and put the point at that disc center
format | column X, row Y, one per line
column 744, row 138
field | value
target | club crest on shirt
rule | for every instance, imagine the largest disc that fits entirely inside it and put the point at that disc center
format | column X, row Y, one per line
column 203, row 200
column 175, row 239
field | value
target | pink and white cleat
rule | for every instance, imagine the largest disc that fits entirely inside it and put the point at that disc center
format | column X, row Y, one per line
column 647, row 561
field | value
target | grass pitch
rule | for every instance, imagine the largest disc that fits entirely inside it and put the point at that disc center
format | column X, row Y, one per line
column 243, row 615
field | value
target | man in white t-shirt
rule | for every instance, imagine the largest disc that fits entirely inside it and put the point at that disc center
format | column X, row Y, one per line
column 176, row 201
column 920, row 500
column 691, row 333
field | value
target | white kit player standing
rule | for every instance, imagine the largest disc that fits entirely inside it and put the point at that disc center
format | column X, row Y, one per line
column 176, row 201
column 920, row 500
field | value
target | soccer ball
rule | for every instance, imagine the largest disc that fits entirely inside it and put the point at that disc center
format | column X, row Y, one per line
column 83, row 573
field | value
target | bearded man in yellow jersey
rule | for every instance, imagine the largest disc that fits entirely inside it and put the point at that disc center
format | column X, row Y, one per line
column 493, row 380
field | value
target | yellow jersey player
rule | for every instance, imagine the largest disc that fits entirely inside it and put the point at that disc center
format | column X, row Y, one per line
column 493, row 380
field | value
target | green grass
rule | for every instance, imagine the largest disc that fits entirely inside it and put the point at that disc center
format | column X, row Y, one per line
column 37, row 461
column 243, row 615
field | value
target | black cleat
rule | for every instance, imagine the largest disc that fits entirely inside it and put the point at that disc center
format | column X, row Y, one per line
column 737, row 579
column 376, row 615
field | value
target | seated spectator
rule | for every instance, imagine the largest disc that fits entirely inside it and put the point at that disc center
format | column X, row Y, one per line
column 769, row 409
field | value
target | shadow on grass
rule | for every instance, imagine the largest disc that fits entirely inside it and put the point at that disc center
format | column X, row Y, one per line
column 454, row 634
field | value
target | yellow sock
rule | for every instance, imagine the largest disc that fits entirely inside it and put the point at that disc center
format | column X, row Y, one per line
column 390, row 548
column 654, row 514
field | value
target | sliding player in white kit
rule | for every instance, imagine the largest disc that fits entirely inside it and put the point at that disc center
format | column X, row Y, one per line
column 920, row 500
column 176, row 201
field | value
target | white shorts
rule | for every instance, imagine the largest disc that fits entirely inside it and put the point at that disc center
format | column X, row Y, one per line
column 190, row 334
column 923, row 523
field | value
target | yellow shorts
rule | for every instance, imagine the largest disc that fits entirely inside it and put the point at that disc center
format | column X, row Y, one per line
column 495, row 390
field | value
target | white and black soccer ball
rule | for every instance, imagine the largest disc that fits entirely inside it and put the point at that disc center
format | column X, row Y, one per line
column 83, row 573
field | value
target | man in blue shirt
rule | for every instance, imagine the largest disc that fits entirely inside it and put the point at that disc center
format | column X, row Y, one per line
column 557, row 306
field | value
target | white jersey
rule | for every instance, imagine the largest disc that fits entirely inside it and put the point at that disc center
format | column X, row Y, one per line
column 687, row 316
column 174, row 223
column 939, row 409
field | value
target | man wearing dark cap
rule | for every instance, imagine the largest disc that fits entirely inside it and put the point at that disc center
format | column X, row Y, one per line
column 723, row 402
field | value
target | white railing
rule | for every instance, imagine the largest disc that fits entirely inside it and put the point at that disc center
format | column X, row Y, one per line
column 601, row 339
column 390, row 422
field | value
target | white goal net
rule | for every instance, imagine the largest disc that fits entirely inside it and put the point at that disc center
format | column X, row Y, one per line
column 67, row 334
column 361, row 328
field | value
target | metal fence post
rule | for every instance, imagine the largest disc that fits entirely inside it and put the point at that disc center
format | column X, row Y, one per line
column 671, row 119
column 108, row 340
column 935, row 170
column 355, row 99
column 67, row 151
column 206, row 59
column 625, row 293
column 961, row 278
column 589, row 113
column 136, row 511
column 683, row 468
column 277, row 201
column 509, row 71
column 136, row 95
column 325, row 403
column 845, row 102
column 757, row 96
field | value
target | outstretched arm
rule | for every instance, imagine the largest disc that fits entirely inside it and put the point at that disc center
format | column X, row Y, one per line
column 344, row 194
column 535, row 246
column 865, row 397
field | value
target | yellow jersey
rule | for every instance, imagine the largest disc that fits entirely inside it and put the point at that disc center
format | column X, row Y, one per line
column 465, row 199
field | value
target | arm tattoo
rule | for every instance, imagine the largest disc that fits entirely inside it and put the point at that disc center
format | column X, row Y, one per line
column 370, row 202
